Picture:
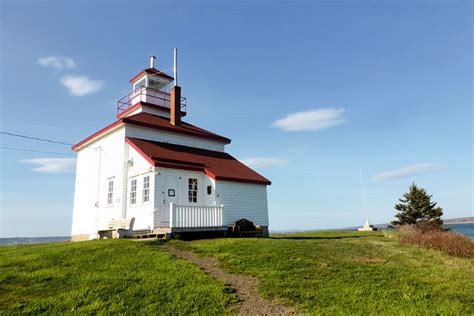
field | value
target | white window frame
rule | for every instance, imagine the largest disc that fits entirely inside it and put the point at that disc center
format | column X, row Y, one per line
column 135, row 90
column 133, row 191
column 110, row 192
column 193, row 185
column 146, row 190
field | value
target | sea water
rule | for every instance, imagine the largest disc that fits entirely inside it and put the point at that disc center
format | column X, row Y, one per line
column 464, row 228
column 32, row 240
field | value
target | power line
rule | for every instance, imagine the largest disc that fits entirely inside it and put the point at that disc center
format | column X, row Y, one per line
column 36, row 138
column 36, row 151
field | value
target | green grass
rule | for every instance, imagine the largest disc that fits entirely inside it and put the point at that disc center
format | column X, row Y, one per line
column 319, row 273
column 113, row 276
column 348, row 272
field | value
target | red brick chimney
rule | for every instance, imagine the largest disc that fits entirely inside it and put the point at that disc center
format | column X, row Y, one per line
column 175, row 105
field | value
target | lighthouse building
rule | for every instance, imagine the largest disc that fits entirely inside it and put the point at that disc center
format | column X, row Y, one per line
column 168, row 175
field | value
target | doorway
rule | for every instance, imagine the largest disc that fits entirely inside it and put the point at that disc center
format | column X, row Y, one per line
column 170, row 194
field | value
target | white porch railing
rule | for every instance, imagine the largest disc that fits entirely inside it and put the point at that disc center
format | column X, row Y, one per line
column 184, row 216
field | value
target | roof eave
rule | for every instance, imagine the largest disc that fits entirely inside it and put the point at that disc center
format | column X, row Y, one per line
column 181, row 165
column 230, row 179
column 170, row 129
column 97, row 135
column 145, row 156
column 149, row 71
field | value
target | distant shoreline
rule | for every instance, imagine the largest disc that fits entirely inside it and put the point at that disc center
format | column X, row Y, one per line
column 458, row 223
column 383, row 226
column 37, row 240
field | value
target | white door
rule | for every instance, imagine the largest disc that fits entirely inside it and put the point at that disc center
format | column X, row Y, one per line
column 171, row 190
column 170, row 194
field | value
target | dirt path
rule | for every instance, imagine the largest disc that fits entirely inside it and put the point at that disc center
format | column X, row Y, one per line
column 246, row 286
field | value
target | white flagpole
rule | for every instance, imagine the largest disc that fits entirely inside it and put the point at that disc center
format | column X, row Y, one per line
column 363, row 198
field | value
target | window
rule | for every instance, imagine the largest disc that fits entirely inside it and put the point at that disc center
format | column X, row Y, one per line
column 192, row 190
column 154, row 84
column 171, row 192
column 133, row 192
column 110, row 192
column 146, row 189
column 209, row 189
column 139, row 84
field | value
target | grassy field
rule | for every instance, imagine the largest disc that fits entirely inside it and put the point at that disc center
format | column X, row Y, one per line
column 348, row 272
column 116, row 276
column 331, row 273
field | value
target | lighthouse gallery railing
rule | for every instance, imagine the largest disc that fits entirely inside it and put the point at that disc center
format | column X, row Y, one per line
column 148, row 95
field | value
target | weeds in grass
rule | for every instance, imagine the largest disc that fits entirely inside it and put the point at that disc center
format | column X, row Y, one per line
column 452, row 243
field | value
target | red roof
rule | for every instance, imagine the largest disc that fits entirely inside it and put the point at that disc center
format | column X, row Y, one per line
column 218, row 165
column 163, row 123
column 152, row 71
column 159, row 123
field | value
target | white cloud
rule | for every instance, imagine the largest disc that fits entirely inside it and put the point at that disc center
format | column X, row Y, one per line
column 264, row 162
column 57, row 62
column 81, row 85
column 313, row 120
column 52, row 165
column 407, row 171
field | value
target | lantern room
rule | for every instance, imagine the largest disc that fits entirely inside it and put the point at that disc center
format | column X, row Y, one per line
column 150, row 89
column 152, row 78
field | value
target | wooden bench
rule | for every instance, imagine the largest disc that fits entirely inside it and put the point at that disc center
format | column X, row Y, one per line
column 118, row 228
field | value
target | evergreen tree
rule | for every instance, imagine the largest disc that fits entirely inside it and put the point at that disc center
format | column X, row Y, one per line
column 416, row 207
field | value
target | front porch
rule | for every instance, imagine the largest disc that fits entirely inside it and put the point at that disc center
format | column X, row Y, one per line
column 175, row 218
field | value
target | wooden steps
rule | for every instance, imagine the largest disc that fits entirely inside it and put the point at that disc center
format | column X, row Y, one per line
column 143, row 236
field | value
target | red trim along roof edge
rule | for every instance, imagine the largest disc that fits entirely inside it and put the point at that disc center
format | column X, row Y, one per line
column 104, row 130
column 209, row 174
column 128, row 141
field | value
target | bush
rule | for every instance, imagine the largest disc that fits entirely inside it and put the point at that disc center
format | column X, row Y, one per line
column 427, row 226
column 453, row 244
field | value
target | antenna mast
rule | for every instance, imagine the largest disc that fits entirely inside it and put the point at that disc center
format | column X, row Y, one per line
column 363, row 197
column 175, row 66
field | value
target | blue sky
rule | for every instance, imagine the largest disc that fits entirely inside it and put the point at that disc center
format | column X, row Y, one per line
column 383, row 86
